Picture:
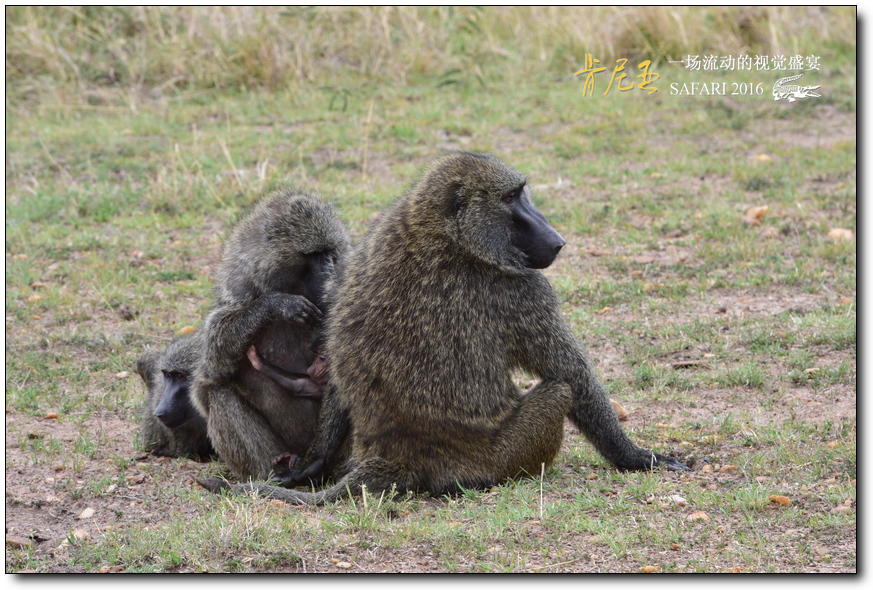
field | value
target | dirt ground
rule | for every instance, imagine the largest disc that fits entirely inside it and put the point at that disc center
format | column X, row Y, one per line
column 43, row 507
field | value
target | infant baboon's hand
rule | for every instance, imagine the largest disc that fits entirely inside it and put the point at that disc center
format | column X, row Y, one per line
column 285, row 462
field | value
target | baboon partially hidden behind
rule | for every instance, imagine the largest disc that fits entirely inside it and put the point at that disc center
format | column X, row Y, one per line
column 440, row 303
column 253, row 382
column 171, row 426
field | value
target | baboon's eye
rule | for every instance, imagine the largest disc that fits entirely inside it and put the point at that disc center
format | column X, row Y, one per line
column 510, row 196
column 172, row 374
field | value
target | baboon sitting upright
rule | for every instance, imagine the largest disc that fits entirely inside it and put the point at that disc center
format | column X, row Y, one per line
column 440, row 304
column 253, row 383
column 170, row 424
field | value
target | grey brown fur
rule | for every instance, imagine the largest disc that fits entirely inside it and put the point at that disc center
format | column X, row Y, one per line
column 252, row 383
column 440, row 304
column 186, row 437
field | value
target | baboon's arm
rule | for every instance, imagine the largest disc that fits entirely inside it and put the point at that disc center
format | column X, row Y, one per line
column 230, row 330
column 553, row 352
column 241, row 435
column 592, row 413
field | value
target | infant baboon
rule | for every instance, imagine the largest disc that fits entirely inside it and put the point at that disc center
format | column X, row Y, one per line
column 253, row 383
column 170, row 424
column 308, row 384
column 440, row 303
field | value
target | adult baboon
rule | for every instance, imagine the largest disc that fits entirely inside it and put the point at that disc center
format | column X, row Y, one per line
column 252, row 383
column 170, row 424
column 440, row 303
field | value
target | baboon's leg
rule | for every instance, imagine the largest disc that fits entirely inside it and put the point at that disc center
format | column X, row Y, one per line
column 325, row 450
column 533, row 434
column 240, row 435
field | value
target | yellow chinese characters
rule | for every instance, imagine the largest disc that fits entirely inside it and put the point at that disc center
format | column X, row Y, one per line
column 618, row 75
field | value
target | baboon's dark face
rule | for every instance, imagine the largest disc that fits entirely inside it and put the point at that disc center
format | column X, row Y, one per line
column 490, row 211
column 531, row 231
column 175, row 407
column 308, row 276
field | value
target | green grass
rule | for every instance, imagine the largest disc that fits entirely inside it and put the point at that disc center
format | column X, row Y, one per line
column 135, row 136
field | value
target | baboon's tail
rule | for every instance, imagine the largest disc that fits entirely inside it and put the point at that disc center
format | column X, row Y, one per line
column 376, row 475
column 269, row 491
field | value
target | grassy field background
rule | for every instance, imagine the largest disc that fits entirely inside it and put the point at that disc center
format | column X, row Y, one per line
column 711, row 271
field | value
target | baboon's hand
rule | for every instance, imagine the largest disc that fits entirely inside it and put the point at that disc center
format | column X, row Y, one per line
column 295, row 308
column 297, row 477
column 285, row 462
column 645, row 460
column 670, row 463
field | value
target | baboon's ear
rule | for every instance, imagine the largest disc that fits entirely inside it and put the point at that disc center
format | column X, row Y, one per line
column 453, row 198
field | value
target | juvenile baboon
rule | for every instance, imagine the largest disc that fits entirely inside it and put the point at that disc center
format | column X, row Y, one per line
column 440, row 303
column 253, row 383
column 170, row 424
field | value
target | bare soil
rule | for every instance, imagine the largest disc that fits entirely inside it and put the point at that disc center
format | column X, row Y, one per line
column 44, row 504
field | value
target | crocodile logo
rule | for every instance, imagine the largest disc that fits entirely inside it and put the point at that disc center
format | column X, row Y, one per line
column 781, row 89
